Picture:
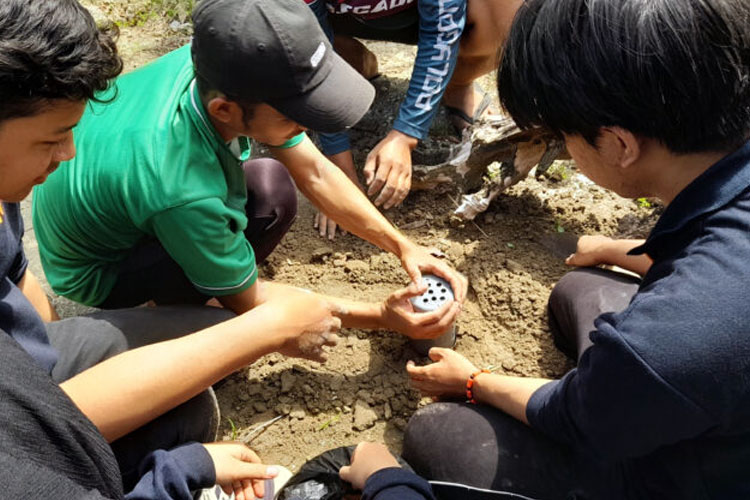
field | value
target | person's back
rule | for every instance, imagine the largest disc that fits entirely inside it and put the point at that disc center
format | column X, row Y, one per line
column 147, row 151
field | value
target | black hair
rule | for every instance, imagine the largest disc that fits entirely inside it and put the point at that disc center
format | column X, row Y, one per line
column 677, row 71
column 51, row 50
column 205, row 89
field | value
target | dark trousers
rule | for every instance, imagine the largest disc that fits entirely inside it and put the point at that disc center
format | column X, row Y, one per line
column 483, row 447
column 84, row 341
column 149, row 273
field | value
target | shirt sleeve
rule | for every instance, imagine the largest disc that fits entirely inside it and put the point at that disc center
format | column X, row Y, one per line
column 22, row 478
column 291, row 142
column 206, row 239
column 174, row 474
column 395, row 483
column 614, row 404
column 441, row 23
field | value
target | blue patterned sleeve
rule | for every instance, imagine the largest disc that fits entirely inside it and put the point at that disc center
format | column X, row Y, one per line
column 441, row 23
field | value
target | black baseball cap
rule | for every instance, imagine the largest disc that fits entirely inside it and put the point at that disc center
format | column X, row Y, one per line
column 274, row 51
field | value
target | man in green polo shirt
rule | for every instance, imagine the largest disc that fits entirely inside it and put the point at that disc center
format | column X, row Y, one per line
column 161, row 202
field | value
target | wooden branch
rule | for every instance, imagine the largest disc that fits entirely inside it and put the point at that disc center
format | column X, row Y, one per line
column 470, row 163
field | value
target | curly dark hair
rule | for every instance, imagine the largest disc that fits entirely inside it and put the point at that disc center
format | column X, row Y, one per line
column 52, row 50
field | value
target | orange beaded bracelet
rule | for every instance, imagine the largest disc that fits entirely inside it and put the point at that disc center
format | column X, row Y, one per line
column 470, row 386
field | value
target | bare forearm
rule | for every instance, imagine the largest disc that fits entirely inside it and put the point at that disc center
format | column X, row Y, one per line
column 242, row 302
column 345, row 161
column 616, row 254
column 353, row 313
column 126, row 391
column 33, row 291
column 338, row 197
column 509, row 394
column 357, row 314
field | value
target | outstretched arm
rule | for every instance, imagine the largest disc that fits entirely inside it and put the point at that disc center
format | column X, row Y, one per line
column 601, row 250
column 131, row 389
column 335, row 194
column 448, row 375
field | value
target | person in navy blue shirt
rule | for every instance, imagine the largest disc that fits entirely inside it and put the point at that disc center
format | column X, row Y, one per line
column 457, row 42
column 653, row 100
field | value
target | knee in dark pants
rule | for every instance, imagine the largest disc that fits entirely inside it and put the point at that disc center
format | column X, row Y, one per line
column 271, row 191
column 271, row 205
column 560, row 312
column 579, row 298
column 441, row 443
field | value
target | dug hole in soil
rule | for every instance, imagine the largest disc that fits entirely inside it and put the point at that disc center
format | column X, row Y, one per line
column 512, row 255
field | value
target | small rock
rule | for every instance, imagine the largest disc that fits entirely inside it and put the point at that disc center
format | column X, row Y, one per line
column 513, row 266
column 260, row 406
column 320, row 252
column 400, row 423
column 287, row 381
column 364, row 416
column 356, row 266
column 339, row 262
column 297, row 412
column 387, row 412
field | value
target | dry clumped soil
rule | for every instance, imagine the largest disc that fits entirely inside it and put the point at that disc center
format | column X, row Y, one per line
column 290, row 410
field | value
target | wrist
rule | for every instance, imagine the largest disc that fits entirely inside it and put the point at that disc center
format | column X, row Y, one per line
column 473, row 390
column 405, row 139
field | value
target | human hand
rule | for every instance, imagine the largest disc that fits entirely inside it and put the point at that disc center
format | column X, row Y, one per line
column 398, row 314
column 590, row 251
column 239, row 470
column 326, row 226
column 417, row 260
column 310, row 321
column 367, row 459
column 388, row 169
column 447, row 376
column 345, row 161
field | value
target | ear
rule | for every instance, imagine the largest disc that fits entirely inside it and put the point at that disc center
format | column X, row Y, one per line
column 224, row 110
column 619, row 146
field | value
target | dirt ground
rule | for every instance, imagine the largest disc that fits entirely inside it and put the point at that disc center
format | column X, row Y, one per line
column 512, row 256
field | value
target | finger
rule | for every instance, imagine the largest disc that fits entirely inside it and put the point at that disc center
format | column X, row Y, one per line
column 322, row 225
column 239, row 493
column 413, row 290
column 247, row 470
column 316, row 220
column 334, row 324
column 457, row 281
column 389, row 189
column 447, row 320
column 381, row 176
column 416, row 372
column 369, row 170
column 415, row 274
column 437, row 353
column 432, row 317
column 331, row 229
column 345, row 473
column 402, row 189
column 257, row 487
column 571, row 260
column 331, row 340
column 249, row 455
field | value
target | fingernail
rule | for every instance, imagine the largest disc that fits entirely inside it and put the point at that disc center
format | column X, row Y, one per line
column 272, row 470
